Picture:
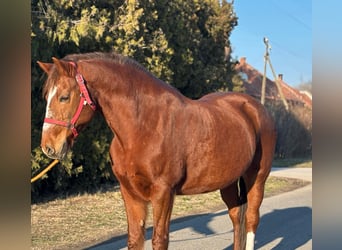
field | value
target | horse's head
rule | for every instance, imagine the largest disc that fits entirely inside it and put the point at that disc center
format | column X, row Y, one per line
column 69, row 107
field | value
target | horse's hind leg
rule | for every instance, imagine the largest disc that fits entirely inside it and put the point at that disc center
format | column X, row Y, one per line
column 136, row 211
column 255, row 183
column 255, row 179
column 234, row 198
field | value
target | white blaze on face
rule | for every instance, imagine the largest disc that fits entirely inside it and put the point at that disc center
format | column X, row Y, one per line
column 250, row 241
column 48, row 113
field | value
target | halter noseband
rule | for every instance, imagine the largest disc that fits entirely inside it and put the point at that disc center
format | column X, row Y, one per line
column 85, row 99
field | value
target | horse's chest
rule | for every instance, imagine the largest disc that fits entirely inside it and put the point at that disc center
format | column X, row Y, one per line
column 136, row 181
column 126, row 167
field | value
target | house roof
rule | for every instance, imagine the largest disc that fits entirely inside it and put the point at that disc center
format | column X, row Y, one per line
column 252, row 81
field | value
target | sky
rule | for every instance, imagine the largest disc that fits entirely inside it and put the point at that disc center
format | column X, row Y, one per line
column 288, row 26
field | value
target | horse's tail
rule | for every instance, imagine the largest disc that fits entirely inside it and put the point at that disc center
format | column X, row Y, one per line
column 243, row 208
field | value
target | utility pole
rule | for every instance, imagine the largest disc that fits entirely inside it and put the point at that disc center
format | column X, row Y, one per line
column 276, row 80
column 263, row 86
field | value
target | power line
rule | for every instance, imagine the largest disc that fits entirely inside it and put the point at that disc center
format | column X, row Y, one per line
column 290, row 15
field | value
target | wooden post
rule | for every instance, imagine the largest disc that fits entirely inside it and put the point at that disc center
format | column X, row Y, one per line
column 278, row 86
column 263, row 86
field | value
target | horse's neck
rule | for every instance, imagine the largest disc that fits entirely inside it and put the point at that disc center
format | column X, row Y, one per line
column 125, row 97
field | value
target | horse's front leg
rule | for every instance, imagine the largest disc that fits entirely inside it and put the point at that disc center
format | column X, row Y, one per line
column 136, row 211
column 162, row 198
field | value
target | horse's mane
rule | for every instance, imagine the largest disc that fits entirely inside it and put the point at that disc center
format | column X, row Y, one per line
column 105, row 56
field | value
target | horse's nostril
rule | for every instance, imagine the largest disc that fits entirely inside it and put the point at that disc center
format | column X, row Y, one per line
column 49, row 150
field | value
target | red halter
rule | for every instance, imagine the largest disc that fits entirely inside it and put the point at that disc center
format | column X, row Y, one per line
column 85, row 99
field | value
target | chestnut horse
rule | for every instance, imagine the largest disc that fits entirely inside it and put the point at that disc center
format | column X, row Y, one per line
column 164, row 143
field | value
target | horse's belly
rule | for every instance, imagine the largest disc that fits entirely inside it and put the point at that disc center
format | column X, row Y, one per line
column 201, row 179
column 215, row 169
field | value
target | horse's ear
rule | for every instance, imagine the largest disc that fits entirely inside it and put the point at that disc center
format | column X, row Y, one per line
column 45, row 66
column 63, row 67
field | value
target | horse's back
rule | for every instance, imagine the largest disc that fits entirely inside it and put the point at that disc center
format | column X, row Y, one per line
column 243, row 104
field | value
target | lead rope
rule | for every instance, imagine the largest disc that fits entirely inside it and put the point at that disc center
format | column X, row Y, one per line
column 52, row 164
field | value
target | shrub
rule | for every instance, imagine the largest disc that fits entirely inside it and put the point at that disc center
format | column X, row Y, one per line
column 294, row 129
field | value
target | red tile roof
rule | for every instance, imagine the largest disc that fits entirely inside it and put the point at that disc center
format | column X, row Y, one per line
column 252, row 81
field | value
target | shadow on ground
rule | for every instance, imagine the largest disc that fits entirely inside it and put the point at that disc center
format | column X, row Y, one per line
column 278, row 224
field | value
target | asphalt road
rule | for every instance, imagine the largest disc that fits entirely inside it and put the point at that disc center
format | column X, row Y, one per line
column 286, row 223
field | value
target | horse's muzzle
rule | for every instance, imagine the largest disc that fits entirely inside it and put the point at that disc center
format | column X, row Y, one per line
column 52, row 153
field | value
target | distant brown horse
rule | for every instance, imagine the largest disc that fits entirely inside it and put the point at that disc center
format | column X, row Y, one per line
column 164, row 144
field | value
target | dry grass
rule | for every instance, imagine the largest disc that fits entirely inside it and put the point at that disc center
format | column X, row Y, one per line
column 81, row 220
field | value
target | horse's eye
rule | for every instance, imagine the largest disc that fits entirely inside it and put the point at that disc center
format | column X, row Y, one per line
column 64, row 98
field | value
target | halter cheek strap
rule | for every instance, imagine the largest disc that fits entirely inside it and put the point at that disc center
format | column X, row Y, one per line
column 83, row 88
column 85, row 100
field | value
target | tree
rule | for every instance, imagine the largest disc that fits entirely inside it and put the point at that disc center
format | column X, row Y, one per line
column 181, row 42
column 306, row 86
